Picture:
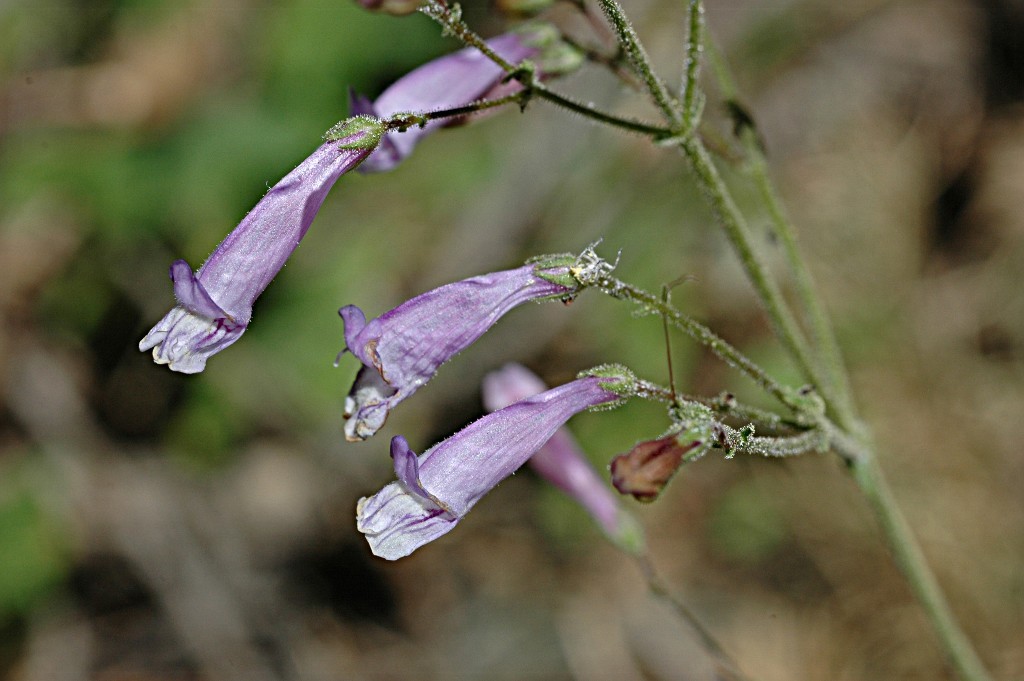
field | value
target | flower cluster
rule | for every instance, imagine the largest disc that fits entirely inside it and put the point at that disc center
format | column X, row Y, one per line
column 403, row 348
column 214, row 304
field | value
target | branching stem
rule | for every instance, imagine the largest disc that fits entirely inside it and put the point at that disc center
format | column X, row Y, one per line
column 736, row 230
column 453, row 24
column 813, row 309
column 637, row 56
column 617, row 288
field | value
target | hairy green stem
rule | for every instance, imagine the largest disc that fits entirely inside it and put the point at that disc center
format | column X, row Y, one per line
column 813, row 309
column 911, row 560
column 821, row 328
column 628, row 124
column 637, row 56
column 725, row 405
column 694, row 45
column 451, row 22
column 402, row 121
column 736, row 230
column 617, row 288
column 833, row 383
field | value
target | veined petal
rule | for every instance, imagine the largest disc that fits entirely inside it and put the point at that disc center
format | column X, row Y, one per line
column 396, row 523
column 254, row 252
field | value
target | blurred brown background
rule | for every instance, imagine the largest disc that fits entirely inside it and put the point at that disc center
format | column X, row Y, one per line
column 155, row 526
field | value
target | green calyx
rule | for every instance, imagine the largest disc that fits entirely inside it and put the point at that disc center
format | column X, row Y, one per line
column 615, row 378
column 359, row 132
column 555, row 269
column 555, row 56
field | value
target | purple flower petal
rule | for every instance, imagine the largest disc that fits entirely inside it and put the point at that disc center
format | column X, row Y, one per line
column 191, row 294
column 215, row 304
column 448, row 82
column 432, row 495
column 560, row 460
column 402, row 349
column 184, row 340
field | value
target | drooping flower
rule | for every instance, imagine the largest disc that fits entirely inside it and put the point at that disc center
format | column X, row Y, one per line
column 215, row 303
column 561, row 462
column 448, row 82
column 402, row 349
column 435, row 490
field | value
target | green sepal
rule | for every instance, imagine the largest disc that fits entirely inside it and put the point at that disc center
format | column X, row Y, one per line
column 616, row 378
column 555, row 269
column 555, row 56
column 366, row 131
column 694, row 422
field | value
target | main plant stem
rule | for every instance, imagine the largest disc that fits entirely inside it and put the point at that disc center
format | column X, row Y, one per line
column 832, row 382
column 911, row 560
column 736, row 230
column 825, row 372
column 866, row 472
column 814, row 312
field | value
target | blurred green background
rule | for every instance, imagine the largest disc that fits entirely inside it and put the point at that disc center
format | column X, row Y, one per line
column 157, row 526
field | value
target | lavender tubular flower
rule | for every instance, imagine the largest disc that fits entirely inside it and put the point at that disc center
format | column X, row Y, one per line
column 402, row 349
column 435, row 490
column 561, row 462
column 445, row 83
column 215, row 303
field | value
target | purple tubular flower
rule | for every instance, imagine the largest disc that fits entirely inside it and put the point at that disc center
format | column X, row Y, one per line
column 445, row 83
column 561, row 462
column 402, row 349
column 215, row 304
column 435, row 490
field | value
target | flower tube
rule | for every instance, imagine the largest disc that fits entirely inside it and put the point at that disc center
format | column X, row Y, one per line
column 402, row 349
column 448, row 82
column 215, row 303
column 435, row 490
column 561, row 462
